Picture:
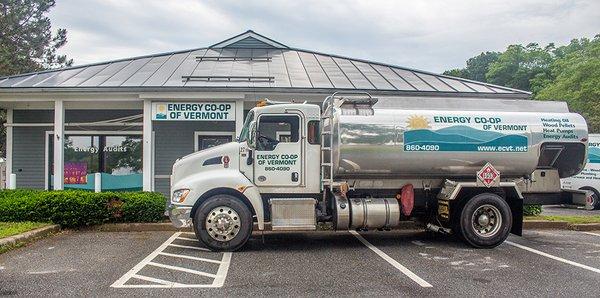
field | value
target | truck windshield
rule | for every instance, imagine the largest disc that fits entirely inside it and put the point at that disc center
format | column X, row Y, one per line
column 244, row 134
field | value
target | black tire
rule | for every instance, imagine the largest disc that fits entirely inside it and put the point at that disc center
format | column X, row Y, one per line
column 245, row 223
column 488, row 204
column 595, row 196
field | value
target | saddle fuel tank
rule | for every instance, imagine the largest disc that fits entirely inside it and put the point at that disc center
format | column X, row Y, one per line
column 393, row 142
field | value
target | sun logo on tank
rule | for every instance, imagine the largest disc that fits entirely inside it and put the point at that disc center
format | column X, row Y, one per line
column 417, row 122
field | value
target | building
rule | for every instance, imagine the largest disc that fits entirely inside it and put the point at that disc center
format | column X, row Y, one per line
column 130, row 119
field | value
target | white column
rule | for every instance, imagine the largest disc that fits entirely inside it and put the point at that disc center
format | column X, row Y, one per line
column 148, row 175
column 239, row 117
column 97, row 182
column 59, row 143
column 9, row 146
column 13, row 182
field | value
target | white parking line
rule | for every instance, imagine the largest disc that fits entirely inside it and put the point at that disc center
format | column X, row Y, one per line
column 590, row 233
column 188, row 239
column 547, row 255
column 222, row 272
column 190, row 258
column 189, row 247
column 182, row 269
column 156, row 280
column 392, row 262
column 218, row 278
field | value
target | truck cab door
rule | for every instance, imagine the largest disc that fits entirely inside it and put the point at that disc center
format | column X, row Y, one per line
column 278, row 154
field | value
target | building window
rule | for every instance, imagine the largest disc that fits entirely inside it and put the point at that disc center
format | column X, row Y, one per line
column 207, row 139
column 118, row 158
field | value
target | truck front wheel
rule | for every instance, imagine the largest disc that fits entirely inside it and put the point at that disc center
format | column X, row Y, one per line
column 485, row 220
column 223, row 223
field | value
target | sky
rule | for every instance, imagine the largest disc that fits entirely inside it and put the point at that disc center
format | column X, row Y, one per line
column 427, row 35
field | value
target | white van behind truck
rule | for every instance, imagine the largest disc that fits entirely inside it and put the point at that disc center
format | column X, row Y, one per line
column 589, row 178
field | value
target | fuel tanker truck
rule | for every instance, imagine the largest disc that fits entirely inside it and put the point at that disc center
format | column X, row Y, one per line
column 457, row 166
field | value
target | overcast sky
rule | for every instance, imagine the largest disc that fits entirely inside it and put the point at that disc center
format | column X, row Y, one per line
column 427, row 35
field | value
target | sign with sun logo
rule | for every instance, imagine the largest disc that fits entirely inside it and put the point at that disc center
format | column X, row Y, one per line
column 161, row 111
column 417, row 122
column 468, row 132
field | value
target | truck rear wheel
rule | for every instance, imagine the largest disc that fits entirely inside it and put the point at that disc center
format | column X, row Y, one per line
column 485, row 221
column 594, row 196
column 223, row 223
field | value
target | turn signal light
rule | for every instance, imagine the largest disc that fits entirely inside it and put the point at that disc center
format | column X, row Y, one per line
column 180, row 195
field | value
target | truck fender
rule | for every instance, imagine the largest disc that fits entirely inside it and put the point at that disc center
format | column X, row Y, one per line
column 225, row 181
column 451, row 191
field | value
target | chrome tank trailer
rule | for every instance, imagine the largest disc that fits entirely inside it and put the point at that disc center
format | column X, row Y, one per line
column 369, row 142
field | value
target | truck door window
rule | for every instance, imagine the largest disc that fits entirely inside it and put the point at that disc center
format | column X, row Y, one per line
column 244, row 134
column 270, row 128
column 313, row 132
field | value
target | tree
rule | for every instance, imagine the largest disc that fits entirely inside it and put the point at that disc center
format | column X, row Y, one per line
column 477, row 67
column 519, row 64
column 575, row 78
column 570, row 73
column 27, row 43
column 457, row 72
column 26, row 40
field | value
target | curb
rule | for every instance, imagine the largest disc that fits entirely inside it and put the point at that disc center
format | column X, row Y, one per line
column 560, row 225
column 29, row 235
column 138, row 227
column 545, row 224
column 585, row 227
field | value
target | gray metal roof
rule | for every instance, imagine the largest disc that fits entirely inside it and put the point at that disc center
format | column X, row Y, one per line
column 250, row 60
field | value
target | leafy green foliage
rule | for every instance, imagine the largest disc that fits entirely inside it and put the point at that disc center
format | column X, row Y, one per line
column 76, row 208
column 26, row 40
column 568, row 73
column 532, row 210
column 576, row 79
column 27, row 43
column 518, row 65
column 477, row 67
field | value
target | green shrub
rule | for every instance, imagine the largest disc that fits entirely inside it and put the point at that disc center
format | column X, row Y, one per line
column 76, row 208
column 532, row 210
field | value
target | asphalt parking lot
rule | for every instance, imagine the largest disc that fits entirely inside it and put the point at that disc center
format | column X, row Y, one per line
column 542, row 263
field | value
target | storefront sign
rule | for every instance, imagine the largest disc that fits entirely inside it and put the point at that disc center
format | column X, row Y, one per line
column 193, row 111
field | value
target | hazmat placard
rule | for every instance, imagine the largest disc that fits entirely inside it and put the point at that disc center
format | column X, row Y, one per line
column 193, row 111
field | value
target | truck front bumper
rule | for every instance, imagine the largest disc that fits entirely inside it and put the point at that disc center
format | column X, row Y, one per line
column 180, row 216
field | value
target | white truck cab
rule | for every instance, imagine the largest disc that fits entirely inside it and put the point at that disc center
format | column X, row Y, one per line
column 271, row 160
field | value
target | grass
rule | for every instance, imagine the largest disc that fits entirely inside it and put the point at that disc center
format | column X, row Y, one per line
column 8, row 229
column 5, row 248
column 572, row 219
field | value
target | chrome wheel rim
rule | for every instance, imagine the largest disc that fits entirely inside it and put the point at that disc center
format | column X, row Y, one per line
column 223, row 223
column 486, row 221
column 591, row 196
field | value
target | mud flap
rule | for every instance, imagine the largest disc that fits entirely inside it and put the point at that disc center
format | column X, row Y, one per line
column 516, row 207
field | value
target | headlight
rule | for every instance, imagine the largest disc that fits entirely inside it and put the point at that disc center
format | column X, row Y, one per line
column 179, row 195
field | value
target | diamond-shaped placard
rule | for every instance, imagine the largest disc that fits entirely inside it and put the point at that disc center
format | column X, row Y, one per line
column 488, row 176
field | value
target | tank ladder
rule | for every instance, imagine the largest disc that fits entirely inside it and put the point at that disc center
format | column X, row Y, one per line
column 327, row 142
column 327, row 133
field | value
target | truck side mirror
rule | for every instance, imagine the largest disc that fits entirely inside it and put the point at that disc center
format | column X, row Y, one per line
column 252, row 135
